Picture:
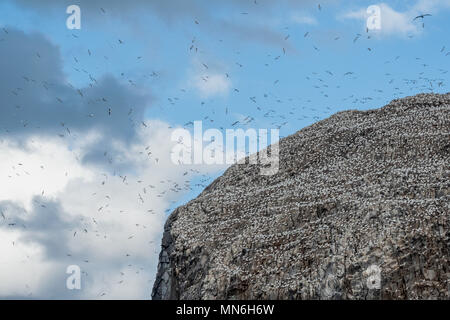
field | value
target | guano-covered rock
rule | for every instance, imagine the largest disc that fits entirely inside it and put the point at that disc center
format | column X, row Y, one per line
column 358, row 210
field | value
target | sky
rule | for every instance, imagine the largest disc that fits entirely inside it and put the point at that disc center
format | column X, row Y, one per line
column 86, row 115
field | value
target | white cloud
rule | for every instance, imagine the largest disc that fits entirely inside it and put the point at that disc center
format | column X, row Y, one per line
column 399, row 23
column 212, row 84
column 208, row 79
column 81, row 185
column 392, row 22
column 109, row 223
column 303, row 18
column 41, row 165
column 19, row 270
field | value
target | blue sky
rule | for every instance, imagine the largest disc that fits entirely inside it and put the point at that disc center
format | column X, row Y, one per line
column 286, row 64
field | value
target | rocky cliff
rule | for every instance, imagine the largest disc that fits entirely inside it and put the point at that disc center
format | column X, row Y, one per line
column 358, row 210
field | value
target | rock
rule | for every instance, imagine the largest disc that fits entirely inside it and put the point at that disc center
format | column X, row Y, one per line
column 359, row 209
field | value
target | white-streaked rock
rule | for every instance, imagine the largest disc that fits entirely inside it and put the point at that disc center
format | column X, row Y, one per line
column 357, row 190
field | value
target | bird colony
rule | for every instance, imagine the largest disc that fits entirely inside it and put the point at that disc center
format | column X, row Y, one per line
column 359, row 191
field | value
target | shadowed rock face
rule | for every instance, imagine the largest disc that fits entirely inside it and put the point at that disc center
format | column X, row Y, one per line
column 358, row 210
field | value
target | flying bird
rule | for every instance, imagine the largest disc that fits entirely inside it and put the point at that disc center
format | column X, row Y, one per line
column 422, row 16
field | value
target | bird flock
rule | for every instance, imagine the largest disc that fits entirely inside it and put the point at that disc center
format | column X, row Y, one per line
column 270, row 109
column 354, row 190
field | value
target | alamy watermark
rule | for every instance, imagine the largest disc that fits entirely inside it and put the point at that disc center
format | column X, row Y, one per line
column 74, row 20
column 372, row 277
column 373, row 280
column 73, row 282
column 373, row 21
column 191, row 150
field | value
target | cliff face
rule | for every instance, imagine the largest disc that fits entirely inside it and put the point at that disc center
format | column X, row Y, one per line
column 358, row 210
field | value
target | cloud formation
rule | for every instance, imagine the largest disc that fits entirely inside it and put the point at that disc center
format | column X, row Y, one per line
column 86, row 179
column 399, row 23
column 209, row 79
column 303, row 18
column 233, row 19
